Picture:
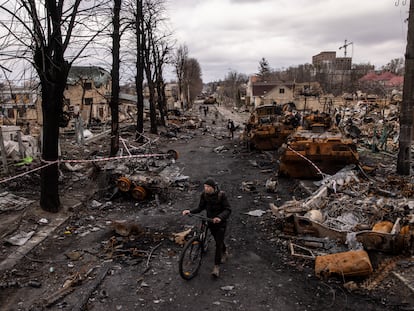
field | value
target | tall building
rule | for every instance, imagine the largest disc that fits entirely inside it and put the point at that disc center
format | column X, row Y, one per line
column 328, row 60
column 334, row 73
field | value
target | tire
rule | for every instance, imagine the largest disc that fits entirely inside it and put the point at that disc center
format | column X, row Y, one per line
column 207, row 241
column 190, row 259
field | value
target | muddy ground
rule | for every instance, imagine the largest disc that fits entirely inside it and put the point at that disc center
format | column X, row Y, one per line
column 83, row 264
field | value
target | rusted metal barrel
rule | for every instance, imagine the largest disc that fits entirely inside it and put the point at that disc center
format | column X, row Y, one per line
column 352, row 263
column 124, row 184
column 139, row 193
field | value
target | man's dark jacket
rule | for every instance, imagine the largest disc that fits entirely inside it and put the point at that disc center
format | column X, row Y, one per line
column 216, row 205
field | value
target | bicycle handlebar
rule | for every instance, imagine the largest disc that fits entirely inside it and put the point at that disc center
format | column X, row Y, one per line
column 200, row 217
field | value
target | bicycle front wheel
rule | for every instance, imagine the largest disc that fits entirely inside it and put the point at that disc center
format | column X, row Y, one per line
column 207, row 237
column 190, row 258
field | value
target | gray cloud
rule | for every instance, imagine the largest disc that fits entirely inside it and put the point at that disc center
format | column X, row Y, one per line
column 235, row 34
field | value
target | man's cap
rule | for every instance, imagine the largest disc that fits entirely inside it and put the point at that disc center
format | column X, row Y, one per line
column 211, row 182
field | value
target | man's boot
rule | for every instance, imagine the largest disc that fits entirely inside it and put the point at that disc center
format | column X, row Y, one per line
column 224, row 257
column 216, row 271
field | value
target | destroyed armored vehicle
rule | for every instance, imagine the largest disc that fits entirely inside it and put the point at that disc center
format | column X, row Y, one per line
column 268, row 127
column 316, row 149
column 211, row 100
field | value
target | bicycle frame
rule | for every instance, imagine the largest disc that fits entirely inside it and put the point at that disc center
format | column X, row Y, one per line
column 202, row 231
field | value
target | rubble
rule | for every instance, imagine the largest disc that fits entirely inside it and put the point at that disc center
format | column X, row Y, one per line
column 126, row 228
column 20, row 238
column 359, row 214
column 354, row 208
column 9, row 201
column 256, row 213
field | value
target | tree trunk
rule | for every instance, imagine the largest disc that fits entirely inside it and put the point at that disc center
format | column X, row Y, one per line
column 153, row 112
column 161, row 101
column 147, row 39
column 115, row 80
column 139, row 79
column 406, row 113
column 49, row 176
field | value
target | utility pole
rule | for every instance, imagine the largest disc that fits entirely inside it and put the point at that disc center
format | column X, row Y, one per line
column 345, row 46
column 406, row 113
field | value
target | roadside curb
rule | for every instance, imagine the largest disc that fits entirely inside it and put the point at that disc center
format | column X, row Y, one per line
column 38, row 237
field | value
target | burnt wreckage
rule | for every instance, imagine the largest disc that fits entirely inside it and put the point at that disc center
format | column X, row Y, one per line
column 308, row 151
column 269, row 126
column 316, row 149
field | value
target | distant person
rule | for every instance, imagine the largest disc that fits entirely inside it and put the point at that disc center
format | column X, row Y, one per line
column 297, row 119
column 337, row 118
column 217, row 207
column 27, row 129
column 231, row 128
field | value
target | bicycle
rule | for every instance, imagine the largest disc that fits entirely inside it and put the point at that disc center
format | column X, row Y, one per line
column 193, row 251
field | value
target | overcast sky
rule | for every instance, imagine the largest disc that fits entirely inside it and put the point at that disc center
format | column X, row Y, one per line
column 226, row 35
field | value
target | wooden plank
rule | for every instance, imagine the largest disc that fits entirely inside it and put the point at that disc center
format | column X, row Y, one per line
column 84, row 295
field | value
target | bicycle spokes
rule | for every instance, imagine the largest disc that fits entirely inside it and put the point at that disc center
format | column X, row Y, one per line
column 190, row 259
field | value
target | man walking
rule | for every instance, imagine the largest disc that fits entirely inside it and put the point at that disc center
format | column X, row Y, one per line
column 231, row 128
column 218, row 209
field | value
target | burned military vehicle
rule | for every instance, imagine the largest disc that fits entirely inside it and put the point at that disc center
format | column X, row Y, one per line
column 269, row 126
column 317, row 149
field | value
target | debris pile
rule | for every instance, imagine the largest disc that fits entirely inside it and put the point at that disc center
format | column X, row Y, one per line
column 347, row 219
column 373, row 124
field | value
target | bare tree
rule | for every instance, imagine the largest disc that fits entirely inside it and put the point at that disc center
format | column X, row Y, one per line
column 395, row 66
column 180, row 59
column 154, row 53
column 232, row 86
column 148, row 25
column 41, row 32
column 148, row 37
column 192, row 82
column 161, row 56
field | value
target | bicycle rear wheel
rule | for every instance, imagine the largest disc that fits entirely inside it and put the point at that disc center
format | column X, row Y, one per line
column 190, row 258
